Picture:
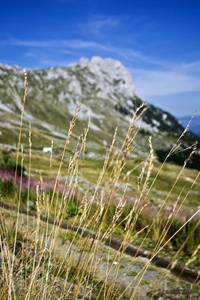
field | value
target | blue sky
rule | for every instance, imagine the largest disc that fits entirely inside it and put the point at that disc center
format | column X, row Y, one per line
column 158, row 41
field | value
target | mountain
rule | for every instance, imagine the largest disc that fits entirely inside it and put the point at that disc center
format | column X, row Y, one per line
column 107, row 93
column 194, row 125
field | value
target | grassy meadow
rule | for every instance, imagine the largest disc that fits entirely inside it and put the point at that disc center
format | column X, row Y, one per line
column 63, row 207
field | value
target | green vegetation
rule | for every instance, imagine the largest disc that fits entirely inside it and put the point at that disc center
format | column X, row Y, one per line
column 71, row 210
column 8, row 164
column 69, row 236
column 180, row 157
column 132, row 273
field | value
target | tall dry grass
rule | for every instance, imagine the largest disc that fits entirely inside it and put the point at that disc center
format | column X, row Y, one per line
column 34, row 266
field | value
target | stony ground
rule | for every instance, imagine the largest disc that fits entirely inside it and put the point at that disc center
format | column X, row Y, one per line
column 154, row 283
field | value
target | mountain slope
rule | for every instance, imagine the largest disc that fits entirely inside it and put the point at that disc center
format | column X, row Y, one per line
column 107, row 94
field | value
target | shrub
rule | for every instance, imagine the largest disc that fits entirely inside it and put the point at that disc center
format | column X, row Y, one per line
column 33, row 207
column 69, row 236
column 6, row 188
column 71, row 210
column 8, row 164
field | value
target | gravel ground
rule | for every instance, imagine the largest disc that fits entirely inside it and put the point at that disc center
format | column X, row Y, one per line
column 154, row 282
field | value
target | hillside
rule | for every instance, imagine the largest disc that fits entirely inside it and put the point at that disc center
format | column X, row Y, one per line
column 107, row 94
column 94, row 206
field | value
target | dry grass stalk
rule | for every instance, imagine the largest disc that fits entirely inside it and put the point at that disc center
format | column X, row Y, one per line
column 42, row 241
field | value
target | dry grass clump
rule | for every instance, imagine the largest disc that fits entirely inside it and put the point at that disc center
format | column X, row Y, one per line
column 34, row 261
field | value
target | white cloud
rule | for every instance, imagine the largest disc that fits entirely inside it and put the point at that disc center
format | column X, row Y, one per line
column 96, row 48
column 179, row 79
column 155, row 78
column 98, row 24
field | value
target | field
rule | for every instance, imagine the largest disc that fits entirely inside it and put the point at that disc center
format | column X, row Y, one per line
column 80, row 227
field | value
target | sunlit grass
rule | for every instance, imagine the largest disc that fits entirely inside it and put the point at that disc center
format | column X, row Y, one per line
column 78, row 204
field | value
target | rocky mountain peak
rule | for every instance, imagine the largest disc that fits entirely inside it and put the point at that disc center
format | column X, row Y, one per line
column 106, row 91
column 112, row 72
